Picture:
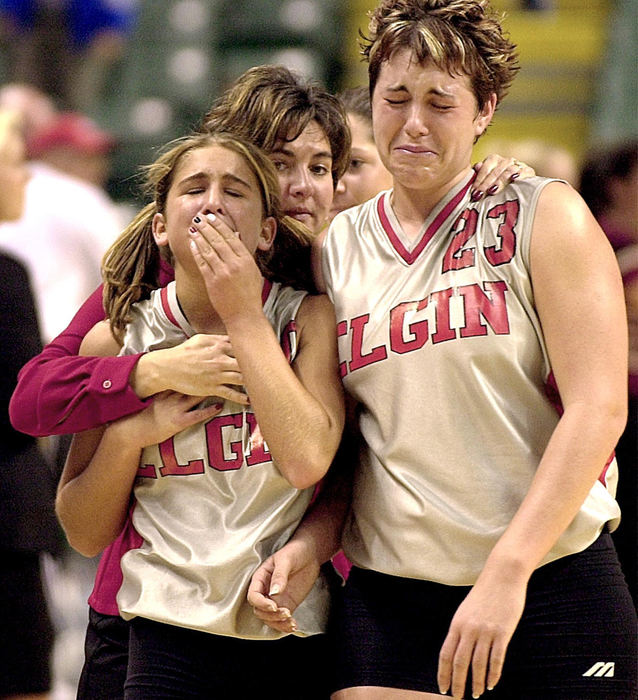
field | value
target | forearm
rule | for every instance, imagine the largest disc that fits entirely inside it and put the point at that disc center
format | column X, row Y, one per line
column 574, row 459
column 322, row 525
column 301, row 434
column 92, row 507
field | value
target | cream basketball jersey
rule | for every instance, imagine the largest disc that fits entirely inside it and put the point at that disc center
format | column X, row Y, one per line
column 440, row 343
column 210, row 503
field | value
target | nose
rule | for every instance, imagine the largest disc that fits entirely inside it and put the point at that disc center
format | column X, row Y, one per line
column 300, row 184
column 415, row 123
column 213, row 202
column 341, row 186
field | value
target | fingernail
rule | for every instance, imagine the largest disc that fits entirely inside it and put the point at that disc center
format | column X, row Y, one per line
column 476, row 195
column 275, row 589
column 192, row 229
column 219, row 406
column 513, row 176
column 211, row 217
column 492, row 189
column 197, row 219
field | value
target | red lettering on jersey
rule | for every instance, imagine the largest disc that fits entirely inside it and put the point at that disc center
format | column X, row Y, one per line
column 508, row 212
column 457, row 256
column 418, row 330
column 444, row 330
column 215, row 439
column 148, row 471
column 258, row 449
column 342, row 329
column 171, row 467
column 360, row 360
column 477, row 304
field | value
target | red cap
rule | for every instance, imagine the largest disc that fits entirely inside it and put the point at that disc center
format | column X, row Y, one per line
column 73, row 130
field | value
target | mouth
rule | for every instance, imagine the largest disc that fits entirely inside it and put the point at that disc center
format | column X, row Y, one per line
column 300, row 214
column 412, row 149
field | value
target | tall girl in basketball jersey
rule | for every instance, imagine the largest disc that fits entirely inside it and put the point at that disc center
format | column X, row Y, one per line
column 486, row 345
column 217, row 485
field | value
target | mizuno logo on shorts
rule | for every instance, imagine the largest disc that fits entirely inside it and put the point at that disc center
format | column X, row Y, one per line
column 601, row 669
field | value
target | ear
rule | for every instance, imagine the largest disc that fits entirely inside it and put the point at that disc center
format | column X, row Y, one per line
column 159, row 230
column 484, row 117
column 268, row 233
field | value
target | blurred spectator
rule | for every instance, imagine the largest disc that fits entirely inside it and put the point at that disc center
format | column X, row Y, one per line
column 547, row 159
column 66, row 47
column 67, row 225
column 73, row 144
column 28, row 483
column 69, row 220
column 609, row 185
column 537, row 4
column 36, row 108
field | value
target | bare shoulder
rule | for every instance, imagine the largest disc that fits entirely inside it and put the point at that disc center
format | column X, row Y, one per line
column 99, row 341
column 567, row 242
column 560, row 204
column 563, row 222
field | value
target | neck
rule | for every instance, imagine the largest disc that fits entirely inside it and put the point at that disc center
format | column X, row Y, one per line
column 413, row 206
column 195, row 304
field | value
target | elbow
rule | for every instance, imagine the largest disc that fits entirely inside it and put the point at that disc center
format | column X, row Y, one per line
column 23, row 421
column 612, row 408
column 87, row 547
column 304, row 473
column 82, row 539
column 618, row 419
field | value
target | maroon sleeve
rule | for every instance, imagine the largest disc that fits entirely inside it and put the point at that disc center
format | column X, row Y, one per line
column 59, row 392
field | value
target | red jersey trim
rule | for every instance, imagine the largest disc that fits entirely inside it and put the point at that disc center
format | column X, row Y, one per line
column 167, row 307
column 265, row 291
column 411, row 256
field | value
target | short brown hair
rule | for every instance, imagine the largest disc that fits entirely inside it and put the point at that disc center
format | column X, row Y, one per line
column 459, row 36
column 271, row 103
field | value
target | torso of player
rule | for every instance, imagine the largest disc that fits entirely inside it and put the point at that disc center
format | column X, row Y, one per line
column 440, row 343
column 210, row 503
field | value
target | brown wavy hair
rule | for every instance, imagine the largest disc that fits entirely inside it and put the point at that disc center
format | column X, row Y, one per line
column 270, row 103
column 130, row 267
column 458, row 36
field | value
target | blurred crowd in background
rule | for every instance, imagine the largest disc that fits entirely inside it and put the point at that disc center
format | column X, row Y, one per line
column 100, row 84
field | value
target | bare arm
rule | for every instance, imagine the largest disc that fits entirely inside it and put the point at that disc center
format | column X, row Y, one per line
column 283, row 580
column 300, row 408
column 579, row 298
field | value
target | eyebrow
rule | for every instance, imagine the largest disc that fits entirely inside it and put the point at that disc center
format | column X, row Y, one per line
column 439, row 92
column 290, row 154
column 226, row 177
